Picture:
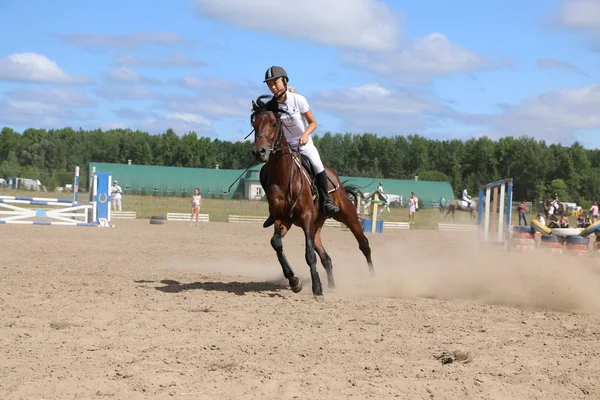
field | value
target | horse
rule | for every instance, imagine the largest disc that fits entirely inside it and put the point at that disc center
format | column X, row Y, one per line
column 460, row 205
column 387, row 199
column 289, row 192
column 548, row 205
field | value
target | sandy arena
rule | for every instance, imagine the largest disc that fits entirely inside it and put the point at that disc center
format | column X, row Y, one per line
column 166, row 311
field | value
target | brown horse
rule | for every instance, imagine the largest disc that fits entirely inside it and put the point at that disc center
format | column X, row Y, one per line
column 289, row 190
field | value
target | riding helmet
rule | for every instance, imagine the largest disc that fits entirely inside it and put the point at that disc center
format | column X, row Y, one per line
column 276, row 72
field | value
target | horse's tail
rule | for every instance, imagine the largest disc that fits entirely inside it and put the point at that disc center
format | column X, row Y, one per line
column 354, row 191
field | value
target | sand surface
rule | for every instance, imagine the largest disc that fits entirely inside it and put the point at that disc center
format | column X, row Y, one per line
column 167, row 311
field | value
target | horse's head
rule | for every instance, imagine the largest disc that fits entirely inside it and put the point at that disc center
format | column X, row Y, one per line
column 268, row 134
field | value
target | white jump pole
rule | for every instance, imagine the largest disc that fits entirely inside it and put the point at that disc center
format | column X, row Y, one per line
column 501, row 215
column 486, row 223
column 76, row 186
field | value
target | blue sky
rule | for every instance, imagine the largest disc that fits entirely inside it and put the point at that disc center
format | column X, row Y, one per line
column 437, row 68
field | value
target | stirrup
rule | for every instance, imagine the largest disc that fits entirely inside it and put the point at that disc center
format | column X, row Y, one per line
column 330, row 207
column 270, row 221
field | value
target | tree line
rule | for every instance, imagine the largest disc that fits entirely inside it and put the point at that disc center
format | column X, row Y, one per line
column 538, row 169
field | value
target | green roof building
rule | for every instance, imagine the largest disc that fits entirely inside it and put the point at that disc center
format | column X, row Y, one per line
column 222, row 183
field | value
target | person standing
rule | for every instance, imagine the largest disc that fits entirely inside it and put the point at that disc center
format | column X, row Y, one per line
column 412, row 208
column 115, row 194
column 594, row 211
column 522, row 209
column 196, row 201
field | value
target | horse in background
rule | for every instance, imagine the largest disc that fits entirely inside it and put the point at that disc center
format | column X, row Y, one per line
column 387, row 199
column 461, row 205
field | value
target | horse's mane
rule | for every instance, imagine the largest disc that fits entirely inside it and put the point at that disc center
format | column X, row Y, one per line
column 261, row 105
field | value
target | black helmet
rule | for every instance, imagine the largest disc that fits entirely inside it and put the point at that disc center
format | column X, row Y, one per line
column 381, row 183
column 276, row 72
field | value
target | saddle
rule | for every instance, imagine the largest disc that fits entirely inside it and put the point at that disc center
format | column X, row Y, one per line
column 309, row 168
column 464, row 204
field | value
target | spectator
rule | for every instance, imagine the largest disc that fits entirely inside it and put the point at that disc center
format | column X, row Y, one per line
column 587, row 221
column 540, row 217
column 442, row 204
column 594, row 211
column 412, row 208
column 196, row 201
column 115, row 193
column 522, row 209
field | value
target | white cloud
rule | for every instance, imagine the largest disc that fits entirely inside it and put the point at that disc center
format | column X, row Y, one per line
column 372, row 99
column 552, row 63
column 432, row 55
column 55, row 96
column 33, row 67
column 580, row 14
column 126, row 75
column 174, row 60
column 555, row 114
column 129, row 113
column 181, row 123
column 192, row 82
column 217, row 105
column 127, row 41
column 118, row 93
column 378, row 109
column 353, row 24
column 38, row 114
column 44, row 107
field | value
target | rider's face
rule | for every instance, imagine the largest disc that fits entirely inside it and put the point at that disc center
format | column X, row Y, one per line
column 276, row 85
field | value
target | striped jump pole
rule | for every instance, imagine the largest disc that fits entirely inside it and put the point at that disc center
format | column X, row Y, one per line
column 53, row 211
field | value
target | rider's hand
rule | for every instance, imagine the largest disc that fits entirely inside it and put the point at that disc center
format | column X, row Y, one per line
column 303, row 139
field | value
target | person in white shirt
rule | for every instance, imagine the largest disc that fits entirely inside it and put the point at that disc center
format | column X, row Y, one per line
column 466, row 198
column 383, row 193
column 115, row 194
column 298, row 124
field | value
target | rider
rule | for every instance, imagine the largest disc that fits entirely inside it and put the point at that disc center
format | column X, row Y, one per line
column 553, row 206
column 382, row 192
column 466, row 198
column 298, row 124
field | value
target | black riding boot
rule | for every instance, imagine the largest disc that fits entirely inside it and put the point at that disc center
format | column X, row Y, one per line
column 263, row 182
column 329, row 205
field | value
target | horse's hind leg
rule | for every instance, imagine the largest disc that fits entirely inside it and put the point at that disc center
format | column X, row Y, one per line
column 348, row 217
column 325, row 259
column 277, row 243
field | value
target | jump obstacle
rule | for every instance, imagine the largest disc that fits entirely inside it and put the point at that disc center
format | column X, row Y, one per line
column 66, row 212
column 486, row 213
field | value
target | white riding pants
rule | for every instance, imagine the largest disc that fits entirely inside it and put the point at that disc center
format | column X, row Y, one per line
column 310, row 150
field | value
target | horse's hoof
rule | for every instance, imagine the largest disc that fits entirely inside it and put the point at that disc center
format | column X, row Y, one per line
column 298, row 287
column 320, row 298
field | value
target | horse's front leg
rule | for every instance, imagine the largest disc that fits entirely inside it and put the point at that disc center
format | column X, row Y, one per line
column 311, row 260
column 325, row 259
column 281, row 228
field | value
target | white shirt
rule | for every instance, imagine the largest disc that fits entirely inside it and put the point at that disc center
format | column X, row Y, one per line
column 465, row 195
column 295, row 124
column 115, row 192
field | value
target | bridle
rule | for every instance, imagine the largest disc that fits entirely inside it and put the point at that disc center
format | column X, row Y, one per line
column 274, row 143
